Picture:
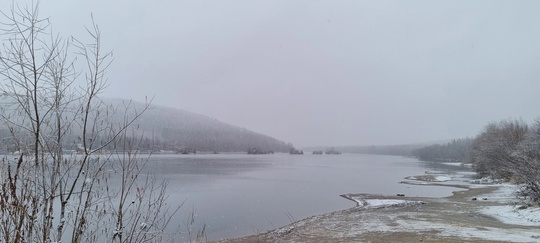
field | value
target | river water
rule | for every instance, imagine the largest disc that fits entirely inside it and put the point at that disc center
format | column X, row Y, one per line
column 239, row 194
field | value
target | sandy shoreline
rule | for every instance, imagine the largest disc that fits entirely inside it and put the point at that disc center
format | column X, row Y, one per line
column 482, row 213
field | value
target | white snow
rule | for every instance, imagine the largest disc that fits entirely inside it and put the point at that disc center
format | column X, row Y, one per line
column 508, row 214
column 487, row 233
column 431, row 177
column 505, row 193
column 453, row 163
column 486, row 181
column 442, row 178
column 501, row 206
column 512, row 215
column 382, row 203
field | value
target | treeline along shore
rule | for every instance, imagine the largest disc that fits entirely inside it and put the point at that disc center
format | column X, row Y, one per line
column 508, row 150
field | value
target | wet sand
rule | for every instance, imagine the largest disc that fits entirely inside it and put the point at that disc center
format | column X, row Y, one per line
column 456, row 218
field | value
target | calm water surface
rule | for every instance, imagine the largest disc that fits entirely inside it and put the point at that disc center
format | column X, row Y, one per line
column 239, row 194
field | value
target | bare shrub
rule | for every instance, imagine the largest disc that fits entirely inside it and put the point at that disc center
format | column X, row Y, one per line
column 48, row 104
column 493, row 150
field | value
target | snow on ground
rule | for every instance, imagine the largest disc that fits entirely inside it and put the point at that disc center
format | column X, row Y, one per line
column 400, row 223
column 431, row 178
column 442, row 178
column 373, row 203
column 504, row 193
column 500, row 204
column 509, row 214
column 486, row 181
column 463, row 176
column 487, row 233
column 453, row 163
column 381, row 203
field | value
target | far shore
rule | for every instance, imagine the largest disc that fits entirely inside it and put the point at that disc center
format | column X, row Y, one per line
column 481, row 213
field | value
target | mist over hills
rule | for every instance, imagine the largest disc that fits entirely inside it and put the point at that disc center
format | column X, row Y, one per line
column 164, row 128
column 169, row 129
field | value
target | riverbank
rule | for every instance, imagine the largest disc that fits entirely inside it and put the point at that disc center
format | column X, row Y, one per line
column 482, row 213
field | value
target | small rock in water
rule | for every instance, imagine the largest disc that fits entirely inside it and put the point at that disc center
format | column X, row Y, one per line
column 474, row 199
column 485, row 198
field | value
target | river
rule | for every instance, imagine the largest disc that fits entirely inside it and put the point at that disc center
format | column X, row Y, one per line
column 239, row 194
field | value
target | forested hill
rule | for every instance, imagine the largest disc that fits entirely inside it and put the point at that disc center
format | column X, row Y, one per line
column 169, row 129
column 456, row 150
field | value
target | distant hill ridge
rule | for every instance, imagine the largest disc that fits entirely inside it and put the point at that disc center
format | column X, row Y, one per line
column 169, row 128
column 165, row 128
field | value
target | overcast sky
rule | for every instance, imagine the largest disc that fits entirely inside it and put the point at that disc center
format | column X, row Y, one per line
column 324, row 72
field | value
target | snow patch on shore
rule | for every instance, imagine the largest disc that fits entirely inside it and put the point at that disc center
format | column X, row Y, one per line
column 453, row 163
column 383, row 203
column 486, row 181
column 402, row 224
column 431, row 178
column 486, row 233
column 509, row 214
column 505, row 193
column 442, row 178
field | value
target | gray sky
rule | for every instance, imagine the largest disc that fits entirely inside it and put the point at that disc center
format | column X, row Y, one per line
column 324, row 72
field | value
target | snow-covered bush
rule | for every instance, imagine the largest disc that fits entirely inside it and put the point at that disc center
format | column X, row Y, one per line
column 510, row 150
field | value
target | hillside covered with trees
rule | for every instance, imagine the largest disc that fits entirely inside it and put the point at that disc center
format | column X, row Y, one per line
column 162, row 128
column 166, row 128
column 456, row 150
